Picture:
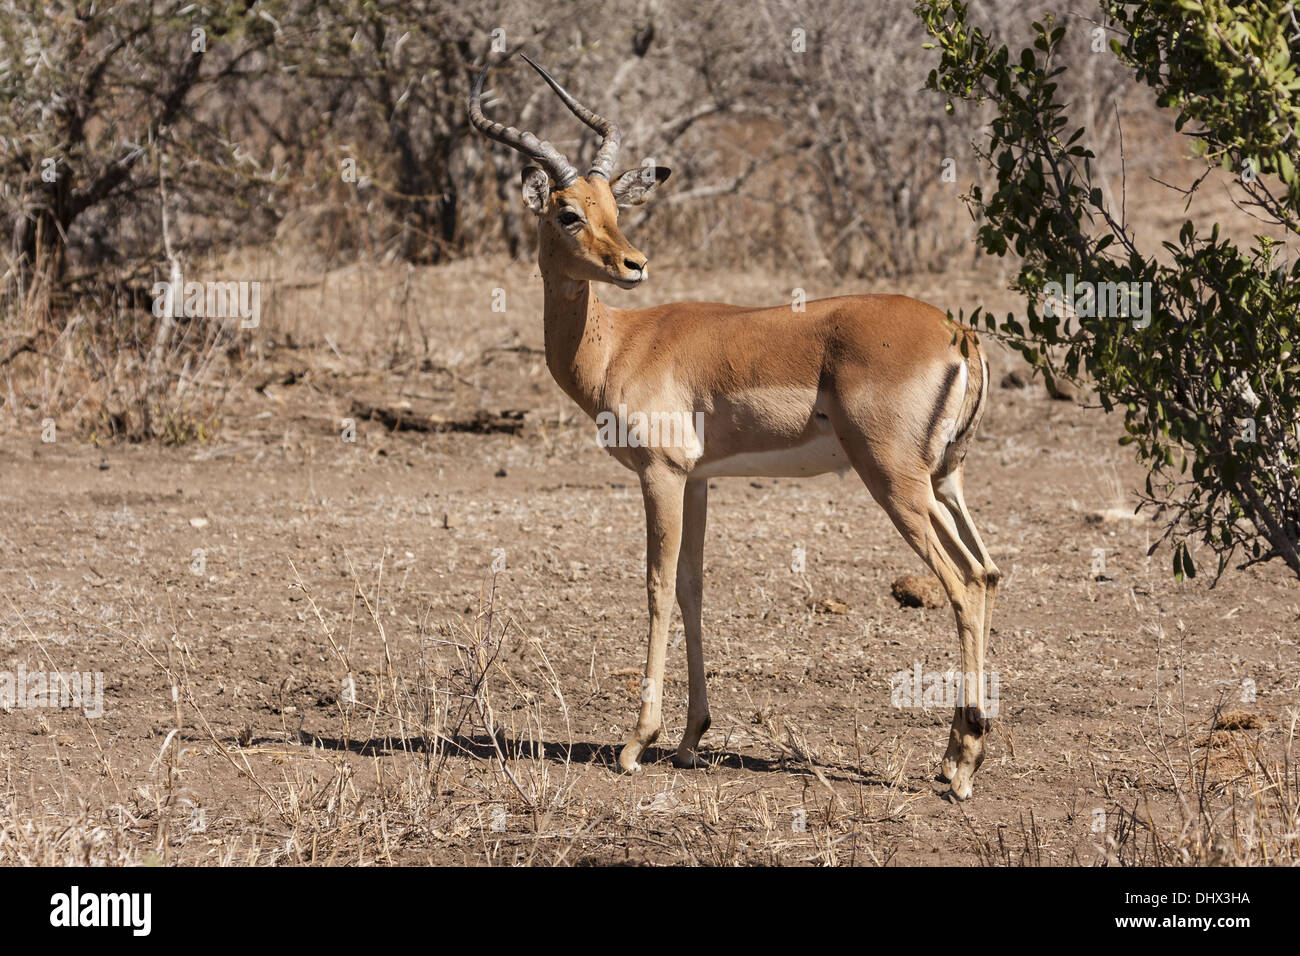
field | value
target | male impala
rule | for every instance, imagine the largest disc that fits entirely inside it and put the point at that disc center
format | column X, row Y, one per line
column 882, row 383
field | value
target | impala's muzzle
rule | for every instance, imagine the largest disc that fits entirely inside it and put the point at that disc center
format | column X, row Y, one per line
column 633, row 273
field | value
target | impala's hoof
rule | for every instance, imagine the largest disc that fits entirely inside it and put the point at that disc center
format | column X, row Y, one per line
column 960, row 788
column 690, row 761
column 627, row 758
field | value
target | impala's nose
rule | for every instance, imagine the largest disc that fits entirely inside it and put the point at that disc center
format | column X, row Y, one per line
column 626, row 272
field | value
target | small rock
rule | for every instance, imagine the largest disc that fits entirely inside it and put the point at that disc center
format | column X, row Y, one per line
column 828, row 606
column 1014, row 379
column 198, row 522
column 501, row 473
column 915, row 590
column 1063, row 391
column 661, row 802
column 1112, row 516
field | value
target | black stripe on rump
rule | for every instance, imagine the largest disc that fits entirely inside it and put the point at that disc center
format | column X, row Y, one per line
column 936, row 414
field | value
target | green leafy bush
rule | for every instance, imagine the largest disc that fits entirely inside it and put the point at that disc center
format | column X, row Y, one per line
column 1205, row 375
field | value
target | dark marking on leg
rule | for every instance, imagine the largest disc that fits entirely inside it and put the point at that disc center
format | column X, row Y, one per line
column 936, row 414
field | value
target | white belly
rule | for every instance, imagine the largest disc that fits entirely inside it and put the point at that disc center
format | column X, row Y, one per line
column 824, row 453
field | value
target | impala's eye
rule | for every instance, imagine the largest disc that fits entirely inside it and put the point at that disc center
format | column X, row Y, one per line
column 569, row 218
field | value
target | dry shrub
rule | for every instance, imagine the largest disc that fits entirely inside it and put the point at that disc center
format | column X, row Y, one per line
column 94, row 360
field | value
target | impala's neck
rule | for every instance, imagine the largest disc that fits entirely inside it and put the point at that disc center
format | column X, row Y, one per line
column 579, row 338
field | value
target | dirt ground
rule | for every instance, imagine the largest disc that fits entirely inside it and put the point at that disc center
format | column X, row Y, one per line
column 228, row 590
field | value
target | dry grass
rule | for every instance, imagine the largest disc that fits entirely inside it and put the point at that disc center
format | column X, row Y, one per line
column 89, row 360
column 459, row 742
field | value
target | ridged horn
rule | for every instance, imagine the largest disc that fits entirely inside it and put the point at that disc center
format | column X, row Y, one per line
column 612, row 137
column 547, row 156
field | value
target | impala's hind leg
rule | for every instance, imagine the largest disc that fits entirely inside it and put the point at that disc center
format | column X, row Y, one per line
column 948, row 490
column 930, row 530
column 902, row 486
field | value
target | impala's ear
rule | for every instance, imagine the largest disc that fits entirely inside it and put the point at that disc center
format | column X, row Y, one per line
column 537, row 188
column 634, row 186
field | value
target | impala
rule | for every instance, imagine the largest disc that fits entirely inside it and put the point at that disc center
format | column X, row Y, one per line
column 883, row 384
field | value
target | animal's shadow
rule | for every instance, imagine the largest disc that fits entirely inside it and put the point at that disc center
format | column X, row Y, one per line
column 480, row 746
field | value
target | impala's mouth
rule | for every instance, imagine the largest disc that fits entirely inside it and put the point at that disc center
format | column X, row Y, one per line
column 632, row 281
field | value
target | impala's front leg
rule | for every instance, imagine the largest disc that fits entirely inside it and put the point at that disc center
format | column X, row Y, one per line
column 690, row 598
column 662, row 488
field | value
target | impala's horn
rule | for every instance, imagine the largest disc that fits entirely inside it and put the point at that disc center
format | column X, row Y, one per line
column 547, row 156
column 612, row 137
